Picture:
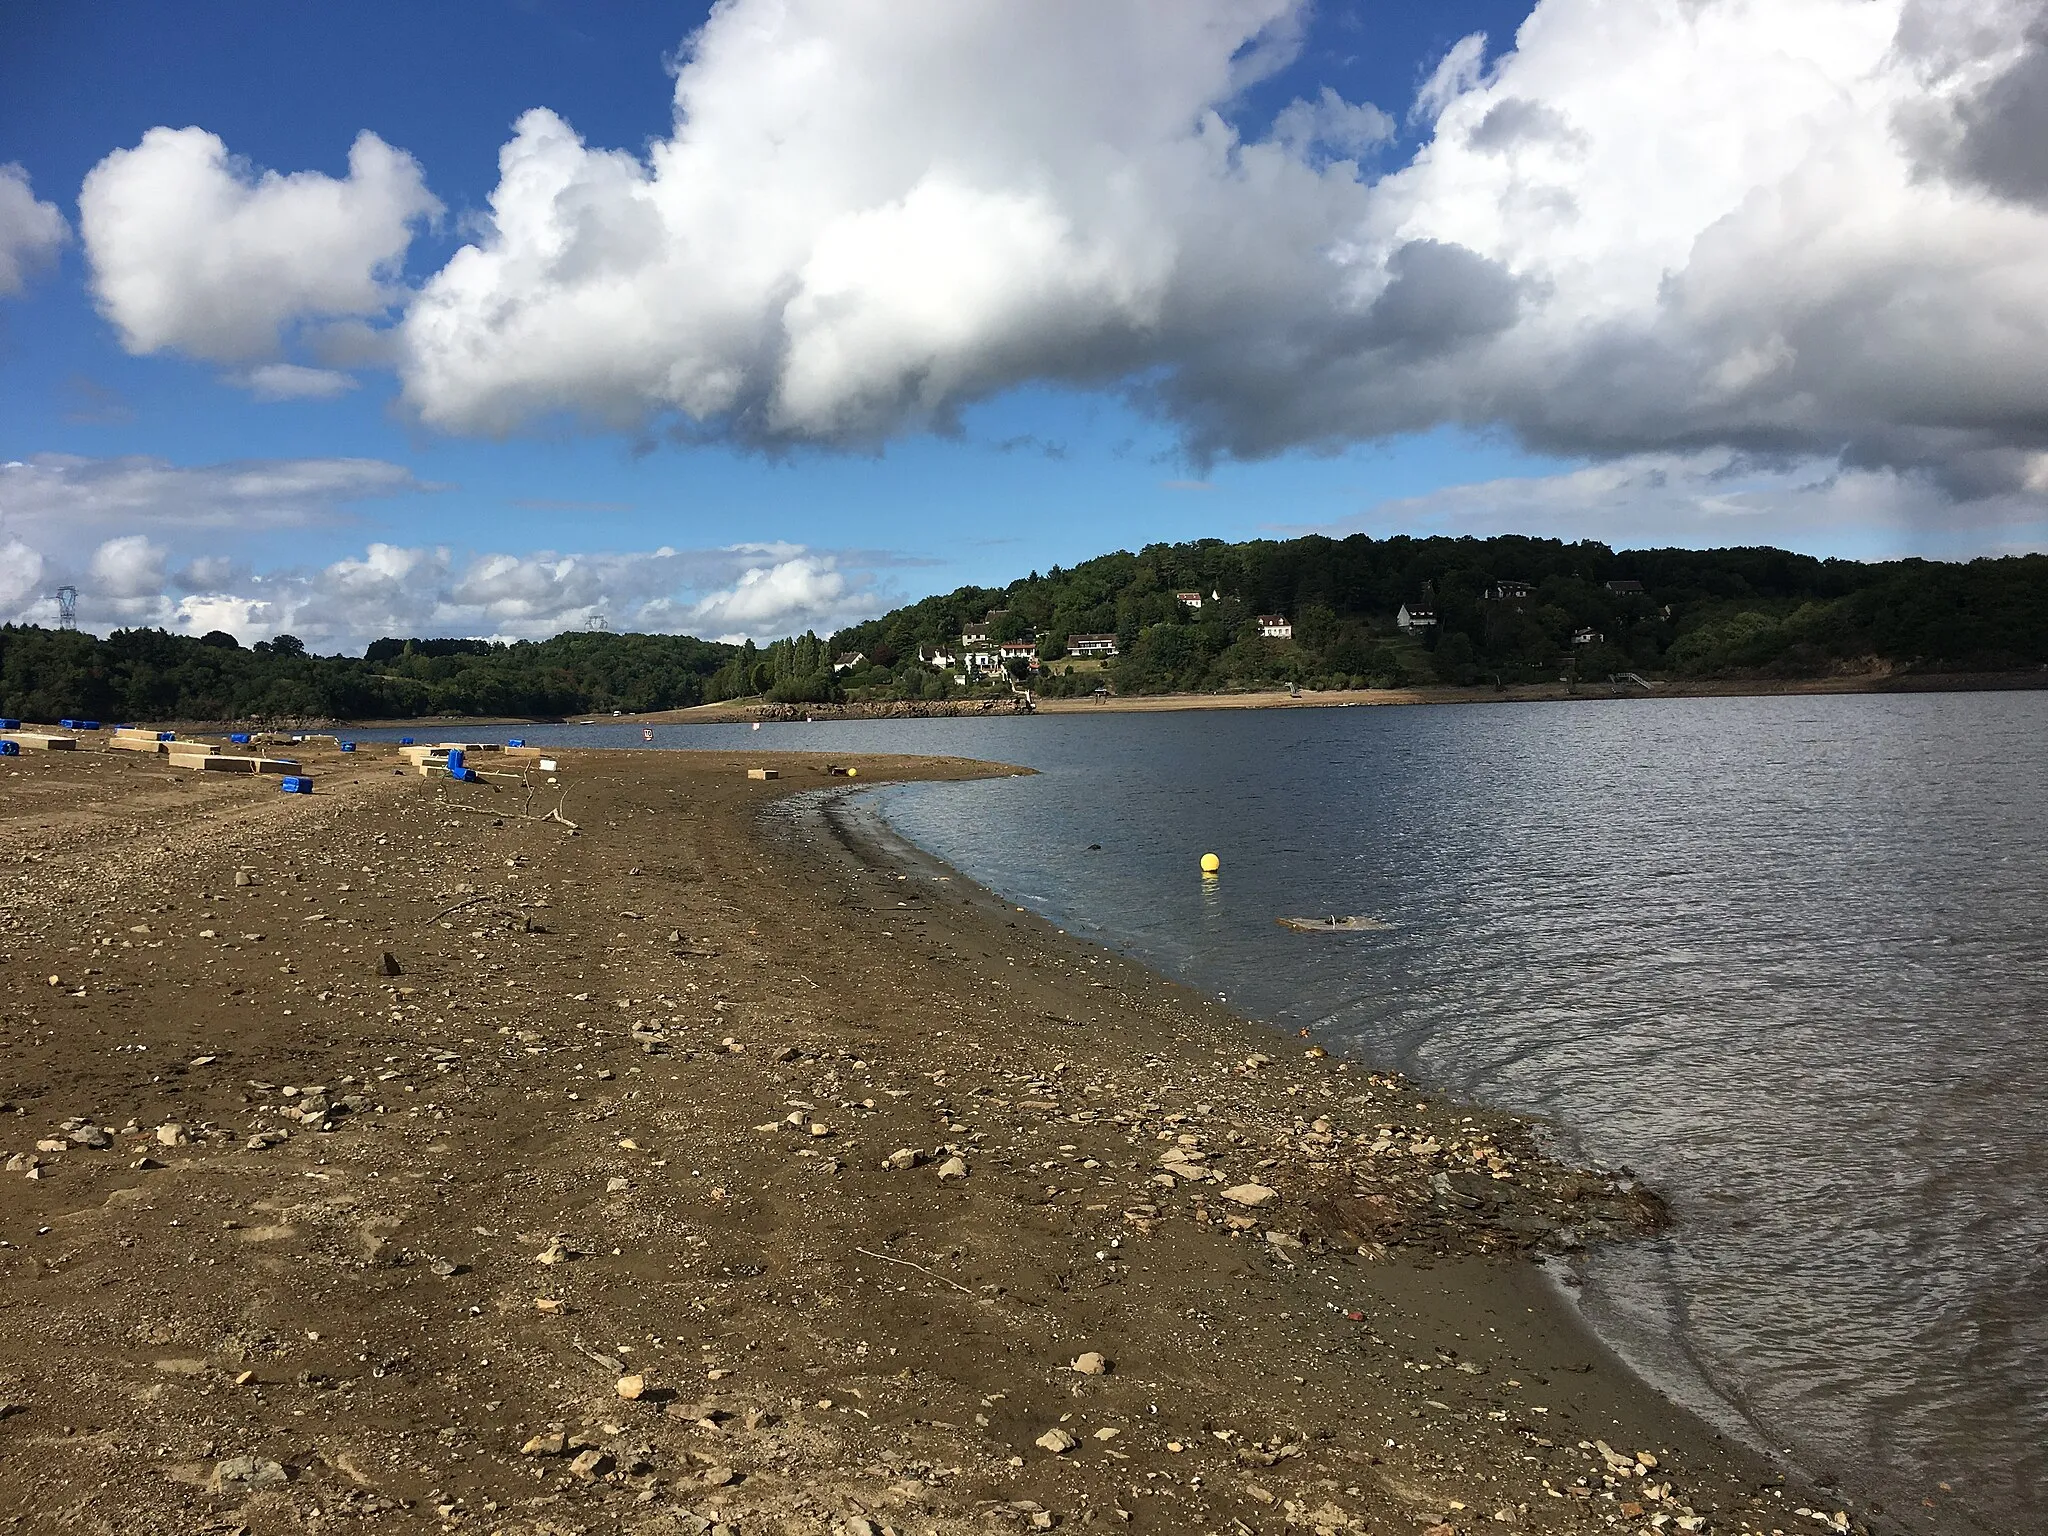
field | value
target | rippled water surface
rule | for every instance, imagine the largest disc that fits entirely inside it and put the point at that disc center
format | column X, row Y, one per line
column 1783, row 957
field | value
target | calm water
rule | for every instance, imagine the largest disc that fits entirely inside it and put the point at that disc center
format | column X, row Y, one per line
column 1784, row 957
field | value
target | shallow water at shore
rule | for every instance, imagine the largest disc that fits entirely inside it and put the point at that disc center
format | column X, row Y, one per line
column 1781, row 956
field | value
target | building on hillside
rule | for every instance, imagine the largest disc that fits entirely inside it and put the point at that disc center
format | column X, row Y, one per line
column 1587, row 635
column 1188, row 599
column 848, row 661
column 1274, row 626
column 1510, row 592
column 1625, row 588
column 1019, row 650
column 980, row 656
column 1415, row 616
column 1091, row 645
column 939, row 656
column 973, row 634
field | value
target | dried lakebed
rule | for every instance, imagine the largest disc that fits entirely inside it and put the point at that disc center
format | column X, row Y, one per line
column 692, row 1173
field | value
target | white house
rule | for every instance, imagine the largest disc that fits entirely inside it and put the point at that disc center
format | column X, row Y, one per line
column 1274, row 626
column 1019, row 650
column 1510, row 592
column 1188, row 599
column 1415, row 616
column 973, row 634
column 848, row 662
column 937, row 656
column 1091, row 645
column 1587, row 636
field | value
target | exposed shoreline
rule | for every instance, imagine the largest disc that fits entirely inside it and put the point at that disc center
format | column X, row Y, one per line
column 852, row 1342
column 747, row 711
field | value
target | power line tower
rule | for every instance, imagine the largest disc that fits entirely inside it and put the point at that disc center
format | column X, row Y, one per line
column 67, row 607
column 596, row 624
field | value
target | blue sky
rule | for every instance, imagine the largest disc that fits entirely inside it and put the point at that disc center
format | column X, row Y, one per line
column 142, row 441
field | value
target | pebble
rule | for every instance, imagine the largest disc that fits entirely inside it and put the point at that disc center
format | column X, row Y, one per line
column 632, row 1388
column 1091, row 1364
column 953, row 1168
column 1058, row 1441
column 903, row 1157
column 552, row 1443
column 590, row 1465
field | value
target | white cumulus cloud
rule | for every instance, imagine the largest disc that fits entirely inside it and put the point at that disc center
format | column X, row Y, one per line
column 31, row 232
column 194, row 251
column 1810, row 228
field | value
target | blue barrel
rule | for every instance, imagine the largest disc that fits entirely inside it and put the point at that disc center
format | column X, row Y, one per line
column 456, row 758
column 10, row 749
column 466, row 775
column 516, row 741
column 296, row 784
column 348, row 746
column 405, row 741
column 239, row 738
column 10, row 725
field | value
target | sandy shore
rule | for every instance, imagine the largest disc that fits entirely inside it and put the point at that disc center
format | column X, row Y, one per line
column 712, row 1166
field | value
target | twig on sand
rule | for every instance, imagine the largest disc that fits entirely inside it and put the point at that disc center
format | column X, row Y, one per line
column 963, row 1290
column 472, row 901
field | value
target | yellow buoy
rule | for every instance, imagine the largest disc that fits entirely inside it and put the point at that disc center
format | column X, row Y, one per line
column 1210, row 863
column 853, row 773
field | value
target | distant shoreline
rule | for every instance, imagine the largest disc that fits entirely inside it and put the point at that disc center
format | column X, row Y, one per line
column 751, row 710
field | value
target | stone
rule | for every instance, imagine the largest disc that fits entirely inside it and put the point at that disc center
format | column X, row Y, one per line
column 1091, row 1364
column 1058, row 1441
column 591, row 1464
column 551, row 1443
column 243, row 1474
column 1252, row 1195
column 171, row 1136
column 953, row 1168
column 616, row 1186
column 93, row 1137
column 388, row 965
column 719, row 1477
column 549, row 1305
column 244, row 878
column 903, row 1157
column 631, row 1388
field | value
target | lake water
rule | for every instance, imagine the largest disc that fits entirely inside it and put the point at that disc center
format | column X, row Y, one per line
column 1786, row 958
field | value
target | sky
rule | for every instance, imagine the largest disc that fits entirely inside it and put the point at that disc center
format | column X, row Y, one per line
column 513, row 316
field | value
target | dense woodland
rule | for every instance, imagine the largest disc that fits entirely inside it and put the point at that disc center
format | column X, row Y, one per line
column 1701, row 613
column 1761, row 613
column 145, row 674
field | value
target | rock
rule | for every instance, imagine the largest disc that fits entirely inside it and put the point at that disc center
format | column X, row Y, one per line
column 556, row 1252
column 244, row 878
column 388, row 965
column 1253, row 1195
column 858, row 1525
column 170, row 1136
column 953, row 1168
column 52, row 1144
column 720, row 1477
column 1058, row 1441
column 1091, row 1364
column 616, row 1186
column 549, row 1305
column 552, row 1443
column 93, row 1137
column 903, row 1157
column 243, row 1474
column 591, row 1464
column 632, row 1388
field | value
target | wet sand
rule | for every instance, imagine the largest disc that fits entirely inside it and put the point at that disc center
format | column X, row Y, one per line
column 715, row 1163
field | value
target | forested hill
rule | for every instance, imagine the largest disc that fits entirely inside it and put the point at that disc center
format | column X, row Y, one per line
column 1699, row 613
column 146, row 674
